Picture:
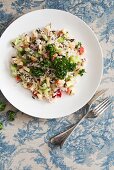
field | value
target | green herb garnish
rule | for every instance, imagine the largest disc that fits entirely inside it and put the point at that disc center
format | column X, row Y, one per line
column 62, row 66
column 81, row 72
column 37, row 72
column 11, row 115
column 71, row 66
column 2, row 106
column 51, row 49
column 45, row 64
column 1, row 125
column 60, row 73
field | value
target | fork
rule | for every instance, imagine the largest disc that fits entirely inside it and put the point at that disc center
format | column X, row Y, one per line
column 99, row 109
column 59, row 138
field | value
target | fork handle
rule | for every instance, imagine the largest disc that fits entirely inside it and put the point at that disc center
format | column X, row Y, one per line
column 58, row 139
column 61, row 138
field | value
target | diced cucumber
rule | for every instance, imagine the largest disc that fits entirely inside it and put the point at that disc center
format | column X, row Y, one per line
column 13, row 70
column 75, row 59
column 17, row 41
column 43, row 87
column 78, row 59
column 61, row 39
column 46, row 91
column 20, row 49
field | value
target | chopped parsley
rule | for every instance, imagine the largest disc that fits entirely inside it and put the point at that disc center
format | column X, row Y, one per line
column 37, row 72
column 2, row 106
column 51, row 49
column 81, row 72
column 62, row 66
column 1, row 125
column 45, row 64
column 11, row 115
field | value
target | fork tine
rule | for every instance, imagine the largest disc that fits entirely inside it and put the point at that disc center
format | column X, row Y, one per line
column 103, row 104
column 104, row 107
column 97, row 95
column 100, row 104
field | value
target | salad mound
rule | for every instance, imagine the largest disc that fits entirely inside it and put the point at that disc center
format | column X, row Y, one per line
column 47, row 62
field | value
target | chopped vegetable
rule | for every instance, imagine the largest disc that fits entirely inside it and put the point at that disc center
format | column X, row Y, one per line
column 74, row 59
column 2, row 106
column 59, row 93
column 21, row 52
column 14, row 69
column 18, row 78
column 71, row 66
column 81, row 50
column 62, row 66
column 60, row 73
column 78, row 45
column 81, row 72
column 61, row 39
column 11, row 115
column 17, row 41
column 68, row 91
column 37, row 72
column 1, row 125
column 45, row 64
column 51, row 49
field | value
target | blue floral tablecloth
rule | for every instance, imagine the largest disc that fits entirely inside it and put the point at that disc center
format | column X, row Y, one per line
column 24, row 142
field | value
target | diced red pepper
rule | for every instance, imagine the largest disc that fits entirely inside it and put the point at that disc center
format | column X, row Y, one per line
column 59, row 93
column 18, row 79
column 81, row 50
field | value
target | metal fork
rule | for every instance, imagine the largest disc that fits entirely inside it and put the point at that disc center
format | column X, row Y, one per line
column 61, row 138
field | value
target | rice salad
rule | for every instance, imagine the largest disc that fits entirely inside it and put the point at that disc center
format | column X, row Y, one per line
column 47, row 62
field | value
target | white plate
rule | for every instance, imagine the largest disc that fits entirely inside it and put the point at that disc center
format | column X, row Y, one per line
column 86, row 86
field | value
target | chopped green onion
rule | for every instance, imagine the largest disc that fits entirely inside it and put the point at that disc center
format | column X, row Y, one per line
column 14, row 70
